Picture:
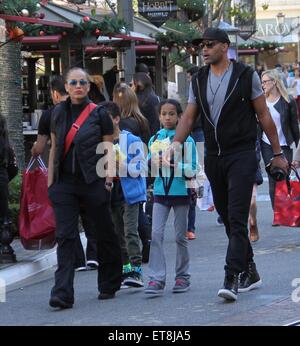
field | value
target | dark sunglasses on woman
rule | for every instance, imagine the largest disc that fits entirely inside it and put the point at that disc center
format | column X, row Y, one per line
column 74, row 82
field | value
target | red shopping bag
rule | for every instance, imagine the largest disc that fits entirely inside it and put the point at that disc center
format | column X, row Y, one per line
column 287, row 202
column 37, row 220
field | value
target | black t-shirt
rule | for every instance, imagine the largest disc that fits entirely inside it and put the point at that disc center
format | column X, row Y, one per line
column 45, row 123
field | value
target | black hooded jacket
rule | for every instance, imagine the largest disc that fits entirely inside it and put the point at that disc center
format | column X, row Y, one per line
column 236, row 129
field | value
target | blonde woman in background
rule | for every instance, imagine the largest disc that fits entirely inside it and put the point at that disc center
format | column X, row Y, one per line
column 283, row 109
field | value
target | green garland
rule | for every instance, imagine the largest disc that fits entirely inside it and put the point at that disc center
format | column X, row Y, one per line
column 193, row 8
column 107, row 26
column 14, row 7
column 182, row 34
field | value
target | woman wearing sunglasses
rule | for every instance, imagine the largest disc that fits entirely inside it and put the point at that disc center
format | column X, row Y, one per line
column 73, row 181
column 283, row 109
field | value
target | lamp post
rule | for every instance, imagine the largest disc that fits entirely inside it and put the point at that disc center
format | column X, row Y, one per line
column 280, row 17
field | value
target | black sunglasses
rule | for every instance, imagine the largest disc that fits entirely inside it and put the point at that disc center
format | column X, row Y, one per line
column 208, row 44
column 74, row 82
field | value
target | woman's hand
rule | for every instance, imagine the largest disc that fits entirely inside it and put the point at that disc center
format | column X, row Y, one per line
column 109, row 184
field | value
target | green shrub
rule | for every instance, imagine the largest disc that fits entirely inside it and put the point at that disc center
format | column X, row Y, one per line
column 14, row 203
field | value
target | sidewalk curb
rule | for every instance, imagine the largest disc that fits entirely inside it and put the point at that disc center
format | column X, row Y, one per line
column 27, row 269
column 23, row 271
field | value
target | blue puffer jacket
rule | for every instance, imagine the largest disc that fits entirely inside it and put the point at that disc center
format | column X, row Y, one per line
column 185, row 167
column 132, row 178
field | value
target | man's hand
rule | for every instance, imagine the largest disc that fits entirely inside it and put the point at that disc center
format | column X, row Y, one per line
column 169, row 154
column 281, row 162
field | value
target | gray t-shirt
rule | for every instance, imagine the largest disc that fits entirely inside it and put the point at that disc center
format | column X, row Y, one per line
column 216, row 91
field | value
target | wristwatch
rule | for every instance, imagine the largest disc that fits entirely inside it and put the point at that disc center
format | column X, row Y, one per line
column 278, row 154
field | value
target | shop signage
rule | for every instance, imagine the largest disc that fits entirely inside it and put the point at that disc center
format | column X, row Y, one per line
column 157, row 12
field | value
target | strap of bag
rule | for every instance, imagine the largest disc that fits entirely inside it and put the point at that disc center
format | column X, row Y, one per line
column 32, row 161
column 76, row 126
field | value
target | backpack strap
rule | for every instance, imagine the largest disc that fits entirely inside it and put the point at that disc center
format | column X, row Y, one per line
column 76, row 126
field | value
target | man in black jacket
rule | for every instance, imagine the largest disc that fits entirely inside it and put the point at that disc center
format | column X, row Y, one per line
column 227, row 95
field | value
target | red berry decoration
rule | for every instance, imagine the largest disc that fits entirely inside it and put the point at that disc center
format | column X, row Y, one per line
column 64, row 33
column 42, row 15
column 97, row 32
column 42, row 33
column 86, row 19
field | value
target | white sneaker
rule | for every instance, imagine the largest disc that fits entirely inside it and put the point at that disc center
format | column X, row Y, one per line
column 80, row 269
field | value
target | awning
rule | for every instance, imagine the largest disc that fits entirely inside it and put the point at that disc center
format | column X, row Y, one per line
column 132, row 36
column 41, row 39
column 36, row 21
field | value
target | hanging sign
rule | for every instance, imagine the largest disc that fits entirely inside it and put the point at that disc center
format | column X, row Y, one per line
column 157, row 12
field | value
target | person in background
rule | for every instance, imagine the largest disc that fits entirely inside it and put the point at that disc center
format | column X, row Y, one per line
column 281, row 74
column 58, row 94
column 296, row 86
column 110, row 79
column 253, row 228
column 283, row 110
column 170, row 192
column 73, row 180
column 141, row 67
column 198, row 137
column 148, row 100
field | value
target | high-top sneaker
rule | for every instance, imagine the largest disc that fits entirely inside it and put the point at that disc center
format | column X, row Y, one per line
column 230, row 289
column 249, row 279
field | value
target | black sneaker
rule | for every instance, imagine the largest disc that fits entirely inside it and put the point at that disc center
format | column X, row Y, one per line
column 134, row 279
column 249, row 279
column 56, row 302
column 103, row 296
column 230, row 289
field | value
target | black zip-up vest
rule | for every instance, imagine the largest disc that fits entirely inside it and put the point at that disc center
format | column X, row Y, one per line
column 85, row 141
column 236, row 129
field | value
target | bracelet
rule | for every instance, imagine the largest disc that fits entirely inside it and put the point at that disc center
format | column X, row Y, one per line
column 278, row 154
column 109, row 184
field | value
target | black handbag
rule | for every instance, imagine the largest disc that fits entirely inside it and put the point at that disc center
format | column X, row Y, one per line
column 12, row 167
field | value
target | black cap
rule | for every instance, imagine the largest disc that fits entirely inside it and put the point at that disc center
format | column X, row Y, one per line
column 212, row 34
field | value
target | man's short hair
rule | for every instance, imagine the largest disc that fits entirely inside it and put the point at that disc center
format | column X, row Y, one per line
column 57, row 84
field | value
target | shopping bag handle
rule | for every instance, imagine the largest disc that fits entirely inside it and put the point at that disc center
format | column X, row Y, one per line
column 32, row 161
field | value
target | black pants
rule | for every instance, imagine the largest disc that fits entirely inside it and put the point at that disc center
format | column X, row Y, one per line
column 267, row 154
column 66, row 198
column 232, row 178
column 91, row 247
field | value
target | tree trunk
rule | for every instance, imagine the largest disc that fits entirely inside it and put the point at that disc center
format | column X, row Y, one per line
column 11, row 96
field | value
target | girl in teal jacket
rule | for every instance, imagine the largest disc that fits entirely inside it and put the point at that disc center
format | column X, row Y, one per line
column 170, row 191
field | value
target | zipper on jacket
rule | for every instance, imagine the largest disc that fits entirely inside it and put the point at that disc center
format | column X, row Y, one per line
column 73, row 161
column 208, row 119
column 215, row 126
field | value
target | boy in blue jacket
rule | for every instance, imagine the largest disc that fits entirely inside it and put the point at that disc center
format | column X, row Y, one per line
column 128, row 192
